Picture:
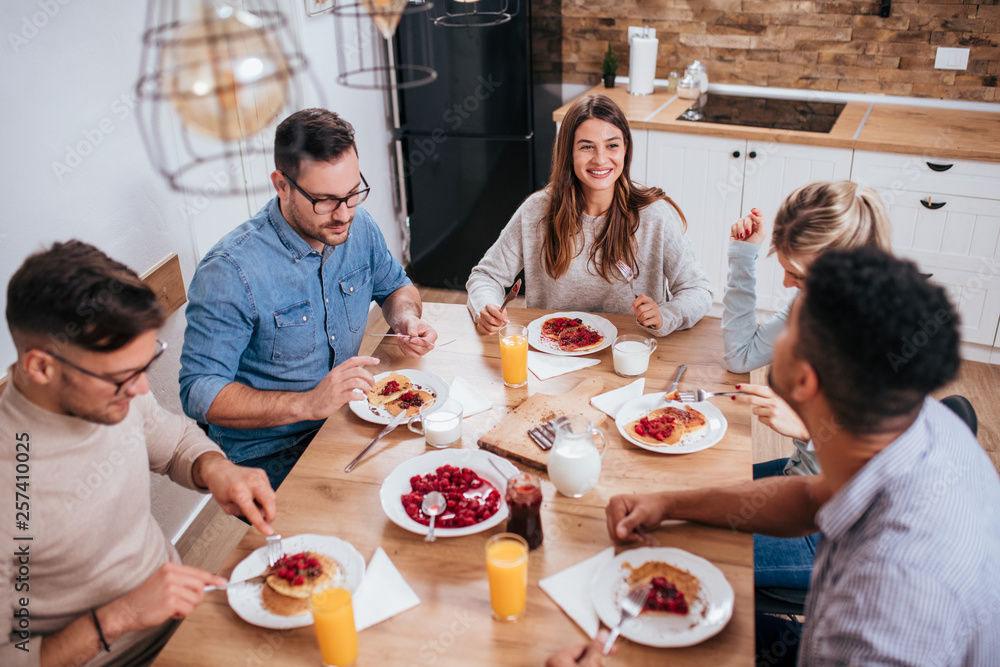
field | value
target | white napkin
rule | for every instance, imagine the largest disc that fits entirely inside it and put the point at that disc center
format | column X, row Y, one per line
column 383, row 593
column 570, row 589
column 610, row 402
column 546, row 366
column 472, row 401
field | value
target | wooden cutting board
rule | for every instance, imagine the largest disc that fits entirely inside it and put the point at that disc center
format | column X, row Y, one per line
column 510, row 437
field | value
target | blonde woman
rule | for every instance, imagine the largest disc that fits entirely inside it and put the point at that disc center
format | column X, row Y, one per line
column 568, row 236
column 814, row 218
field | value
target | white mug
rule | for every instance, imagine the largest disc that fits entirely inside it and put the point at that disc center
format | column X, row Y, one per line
column 441, row 425
column 631, row 353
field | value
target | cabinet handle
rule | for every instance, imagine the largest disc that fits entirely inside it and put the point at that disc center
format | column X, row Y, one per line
column 932, row 206
column 736, row 153
column 752, row 154
column 940, row 167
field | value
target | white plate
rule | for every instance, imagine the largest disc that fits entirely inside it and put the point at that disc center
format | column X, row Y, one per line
column 549, row 346
column 643, row 405
column 435, row 384
column 245, row 600
column 398, row 483
column 708, row 614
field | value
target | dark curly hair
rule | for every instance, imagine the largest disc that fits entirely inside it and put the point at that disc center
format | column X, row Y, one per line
column 74, row 294
column 311, row 134
column 879, row 336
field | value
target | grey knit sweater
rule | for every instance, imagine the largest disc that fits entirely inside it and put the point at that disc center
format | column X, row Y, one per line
column 668, row 272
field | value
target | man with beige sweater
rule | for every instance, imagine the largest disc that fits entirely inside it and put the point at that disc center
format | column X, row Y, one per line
column 87, row 576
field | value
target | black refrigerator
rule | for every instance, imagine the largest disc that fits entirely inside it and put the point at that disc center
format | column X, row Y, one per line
column 464, row 142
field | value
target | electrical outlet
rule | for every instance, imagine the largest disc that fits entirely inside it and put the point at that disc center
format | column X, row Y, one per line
column 951, row 58
column 640, row 30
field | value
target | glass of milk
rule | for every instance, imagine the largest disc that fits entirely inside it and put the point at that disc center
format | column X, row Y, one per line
column 631, row 354
column 441, row 425
column 574, row 460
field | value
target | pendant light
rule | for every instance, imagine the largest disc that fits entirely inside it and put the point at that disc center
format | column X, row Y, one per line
column 210, row 84
column 474, row 13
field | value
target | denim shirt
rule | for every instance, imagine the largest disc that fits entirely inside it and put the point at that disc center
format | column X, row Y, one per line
column 268, row 311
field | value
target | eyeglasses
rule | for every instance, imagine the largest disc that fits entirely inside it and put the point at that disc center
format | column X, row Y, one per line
column 127, row 383
column 328, row 205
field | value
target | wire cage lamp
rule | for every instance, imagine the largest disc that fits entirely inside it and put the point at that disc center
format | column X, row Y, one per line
column 211, row 82
column 366, row 48
column 474, row 13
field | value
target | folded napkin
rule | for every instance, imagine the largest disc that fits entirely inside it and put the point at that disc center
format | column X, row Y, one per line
column 570, row 589
column 546, row 366
column 472, row 401
column 383, row 593
column 610, row 402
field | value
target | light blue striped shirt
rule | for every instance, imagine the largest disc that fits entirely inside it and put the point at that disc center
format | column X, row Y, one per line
column 908, row 570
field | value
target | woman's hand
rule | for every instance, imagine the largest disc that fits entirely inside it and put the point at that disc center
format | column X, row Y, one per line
column 647, row 313
column 749, row 228
column 773, row 411
column 491, row 319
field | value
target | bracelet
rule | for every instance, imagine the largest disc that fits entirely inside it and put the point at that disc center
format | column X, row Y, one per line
column 100, row 633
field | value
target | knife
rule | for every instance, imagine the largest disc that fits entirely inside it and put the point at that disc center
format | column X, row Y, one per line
column 511, row 294
column 677, row 378
column 391, row 425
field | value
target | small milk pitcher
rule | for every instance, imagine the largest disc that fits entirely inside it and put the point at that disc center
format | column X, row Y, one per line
column 575, row 461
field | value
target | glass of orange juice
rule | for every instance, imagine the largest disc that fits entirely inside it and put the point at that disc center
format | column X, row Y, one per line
column 507, row 569
column 514, row 355
column 333, row 618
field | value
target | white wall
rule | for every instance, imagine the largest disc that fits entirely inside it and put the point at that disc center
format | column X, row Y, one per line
column 68, row 71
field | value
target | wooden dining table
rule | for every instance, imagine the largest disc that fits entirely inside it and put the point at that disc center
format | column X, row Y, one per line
column 452, row 625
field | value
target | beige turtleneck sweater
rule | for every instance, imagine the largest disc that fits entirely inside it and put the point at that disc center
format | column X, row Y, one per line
column 92, row 535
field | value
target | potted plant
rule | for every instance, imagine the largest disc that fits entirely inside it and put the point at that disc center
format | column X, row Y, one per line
column 609, row 67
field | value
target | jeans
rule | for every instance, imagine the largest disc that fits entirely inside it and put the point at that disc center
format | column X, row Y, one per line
column 278, row 465
column 777, row 642
column 781, row 562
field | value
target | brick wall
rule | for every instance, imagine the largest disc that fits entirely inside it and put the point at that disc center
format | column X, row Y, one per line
column 818, row 44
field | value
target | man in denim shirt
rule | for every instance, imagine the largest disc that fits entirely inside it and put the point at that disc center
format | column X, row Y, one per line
column 278, row 307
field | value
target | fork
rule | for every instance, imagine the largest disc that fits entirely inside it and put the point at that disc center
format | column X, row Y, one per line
column 273, row 556
column 627, row 273
column 396, row 335
column 699, row 395
column 631, row 606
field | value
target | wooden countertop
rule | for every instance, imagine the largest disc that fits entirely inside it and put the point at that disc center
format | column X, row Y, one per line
column 890, row 128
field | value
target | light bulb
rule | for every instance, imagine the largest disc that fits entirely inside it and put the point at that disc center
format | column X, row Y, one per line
column 225, row 74
column 385, row 14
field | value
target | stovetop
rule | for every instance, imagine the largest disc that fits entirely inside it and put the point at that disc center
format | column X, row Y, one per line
column 801, row 115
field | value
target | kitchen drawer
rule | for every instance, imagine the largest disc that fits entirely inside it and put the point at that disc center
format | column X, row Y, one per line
column 962, row 233
column 896, row 172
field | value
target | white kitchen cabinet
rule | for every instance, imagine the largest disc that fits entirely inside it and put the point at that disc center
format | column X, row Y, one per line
column 947, row 221
column 715, row 181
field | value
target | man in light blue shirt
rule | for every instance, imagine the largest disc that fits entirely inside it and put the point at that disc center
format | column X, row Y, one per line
column 278, row 307
column 907, row 570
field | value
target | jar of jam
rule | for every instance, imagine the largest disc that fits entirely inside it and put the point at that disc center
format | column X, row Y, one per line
column 524, row 501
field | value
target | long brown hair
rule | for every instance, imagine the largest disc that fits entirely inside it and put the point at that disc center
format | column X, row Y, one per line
column 563, row 223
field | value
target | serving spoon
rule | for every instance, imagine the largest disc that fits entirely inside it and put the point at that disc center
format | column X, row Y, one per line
column 433, row 505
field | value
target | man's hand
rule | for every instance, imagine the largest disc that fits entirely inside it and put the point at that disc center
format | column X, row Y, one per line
column 172, row 591
column 772, row 411
column 491, row 319
column 629, row 515
column 588, row 655
column 421, row 334
column 346, row 382
column 647, row 313
column 238, row 490
column 749, row 228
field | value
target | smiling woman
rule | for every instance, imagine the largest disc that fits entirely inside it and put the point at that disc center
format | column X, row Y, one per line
column 569, row 237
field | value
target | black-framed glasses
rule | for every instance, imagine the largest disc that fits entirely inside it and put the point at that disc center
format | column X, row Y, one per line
column 328, row 205
column 120, row 387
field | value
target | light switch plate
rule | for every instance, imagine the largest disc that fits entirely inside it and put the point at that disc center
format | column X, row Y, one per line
column 948, row 58
column 639, row 30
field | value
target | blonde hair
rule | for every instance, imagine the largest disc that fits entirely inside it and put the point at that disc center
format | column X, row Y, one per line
column 830, row 214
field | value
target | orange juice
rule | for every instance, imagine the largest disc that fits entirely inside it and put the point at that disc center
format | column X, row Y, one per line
column 507, row 569
column 514, row 355
column 333, row 617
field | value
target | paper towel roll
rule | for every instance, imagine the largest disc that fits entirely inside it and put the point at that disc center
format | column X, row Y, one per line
column 642, row 64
